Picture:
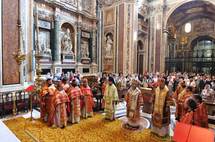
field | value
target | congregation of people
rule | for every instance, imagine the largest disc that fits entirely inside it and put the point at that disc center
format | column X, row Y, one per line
column 70, row 98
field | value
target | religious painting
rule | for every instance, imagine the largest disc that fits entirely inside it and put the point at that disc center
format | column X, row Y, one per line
column 203, row 26
column 110, row 16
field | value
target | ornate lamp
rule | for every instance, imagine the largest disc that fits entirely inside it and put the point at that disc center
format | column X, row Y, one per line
column 19, row 57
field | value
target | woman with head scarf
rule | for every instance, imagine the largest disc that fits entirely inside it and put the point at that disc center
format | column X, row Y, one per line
column 208, row 96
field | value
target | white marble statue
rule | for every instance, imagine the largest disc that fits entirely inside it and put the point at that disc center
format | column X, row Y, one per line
column 84, row 50
column 66, row 42
column 108, row 47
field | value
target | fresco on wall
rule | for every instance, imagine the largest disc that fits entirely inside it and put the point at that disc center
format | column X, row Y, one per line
column 202, row 26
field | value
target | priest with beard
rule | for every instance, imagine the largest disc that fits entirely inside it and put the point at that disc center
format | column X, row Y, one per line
column 74, row 94
column 133, row 100
column 46, row 97
column 65, row 84
column 88, row 103
column 179, row 92
column 161, row 101
column 190, row 106
column 60, row 105
column 111, row 98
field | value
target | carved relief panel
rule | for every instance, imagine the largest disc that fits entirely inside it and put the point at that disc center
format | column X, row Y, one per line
column 86, row 4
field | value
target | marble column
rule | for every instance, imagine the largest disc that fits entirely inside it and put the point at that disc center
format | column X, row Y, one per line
column 94, row 45
column 56, row 39
column 79, row 44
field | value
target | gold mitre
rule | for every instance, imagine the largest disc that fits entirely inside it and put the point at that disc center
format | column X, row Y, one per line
column 84, row 80
column 134, row 82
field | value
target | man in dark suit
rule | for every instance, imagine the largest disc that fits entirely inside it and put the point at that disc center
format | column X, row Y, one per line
column 202, row 83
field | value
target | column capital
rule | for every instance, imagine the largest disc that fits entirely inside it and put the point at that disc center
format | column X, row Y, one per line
column 57, row 16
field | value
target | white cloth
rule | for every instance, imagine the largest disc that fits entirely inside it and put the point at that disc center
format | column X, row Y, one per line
column 57, row 117
column 6, row 135
column 192, row 84
column 161, row 132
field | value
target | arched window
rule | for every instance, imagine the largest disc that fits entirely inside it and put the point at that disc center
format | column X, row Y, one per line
column 203, row 47
column 140, row 45
column 188, row 28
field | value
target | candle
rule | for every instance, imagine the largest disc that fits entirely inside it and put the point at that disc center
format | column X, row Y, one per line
column 14, row 96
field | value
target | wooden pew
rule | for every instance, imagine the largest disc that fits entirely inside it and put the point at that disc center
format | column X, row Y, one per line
column 211, row 119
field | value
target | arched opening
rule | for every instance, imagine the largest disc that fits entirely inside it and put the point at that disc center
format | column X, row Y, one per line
column 203, row 54
column 189, row 24
column 67, row 42
column 140, row 57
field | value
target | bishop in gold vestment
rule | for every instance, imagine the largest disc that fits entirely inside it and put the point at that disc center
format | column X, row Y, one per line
column 161, row 101
column 110, row 97
column 134, row 100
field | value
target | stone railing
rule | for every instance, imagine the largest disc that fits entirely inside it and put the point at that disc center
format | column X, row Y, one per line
column 142, row 25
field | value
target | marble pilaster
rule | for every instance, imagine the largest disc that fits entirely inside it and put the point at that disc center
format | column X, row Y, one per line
column 79, row 43
column 93, row 45
column 56, row 38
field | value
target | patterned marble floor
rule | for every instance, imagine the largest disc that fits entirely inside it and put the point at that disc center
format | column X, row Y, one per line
column 120, row 114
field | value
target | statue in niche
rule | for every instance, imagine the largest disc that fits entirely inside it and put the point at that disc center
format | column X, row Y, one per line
column 66, row 42
column 109, row 48
column 84, row 50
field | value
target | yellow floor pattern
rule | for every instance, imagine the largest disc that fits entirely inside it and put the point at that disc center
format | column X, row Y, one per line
column 93, row 129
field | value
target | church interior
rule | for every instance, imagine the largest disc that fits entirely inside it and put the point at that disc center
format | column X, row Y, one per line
column 107, row 70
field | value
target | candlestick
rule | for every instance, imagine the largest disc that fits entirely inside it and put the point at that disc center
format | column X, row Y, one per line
column 14, row 105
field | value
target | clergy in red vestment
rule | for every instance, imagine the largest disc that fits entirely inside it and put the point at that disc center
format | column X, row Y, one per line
column 181, row 99
column 179, row 92
column 134, row 100
column 74, row 94
column 203, row 110
column 161, row 101
column 46, row 97
column 65, row 84
column 59, row 109
column 104, row 85
column 190, row 105
column 88, row 103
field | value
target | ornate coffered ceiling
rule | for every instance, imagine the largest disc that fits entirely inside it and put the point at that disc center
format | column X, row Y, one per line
column 188, row 12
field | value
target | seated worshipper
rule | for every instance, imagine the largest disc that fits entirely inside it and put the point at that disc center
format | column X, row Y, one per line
column 65, row 84
column 88, row 103
column 60, row 106
column 190, row 106
column 110, row 98
column 161, row 101
column 134, row 100
column 208, row 96
column 203, row 110
column 46, row 96
column 74, row 94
